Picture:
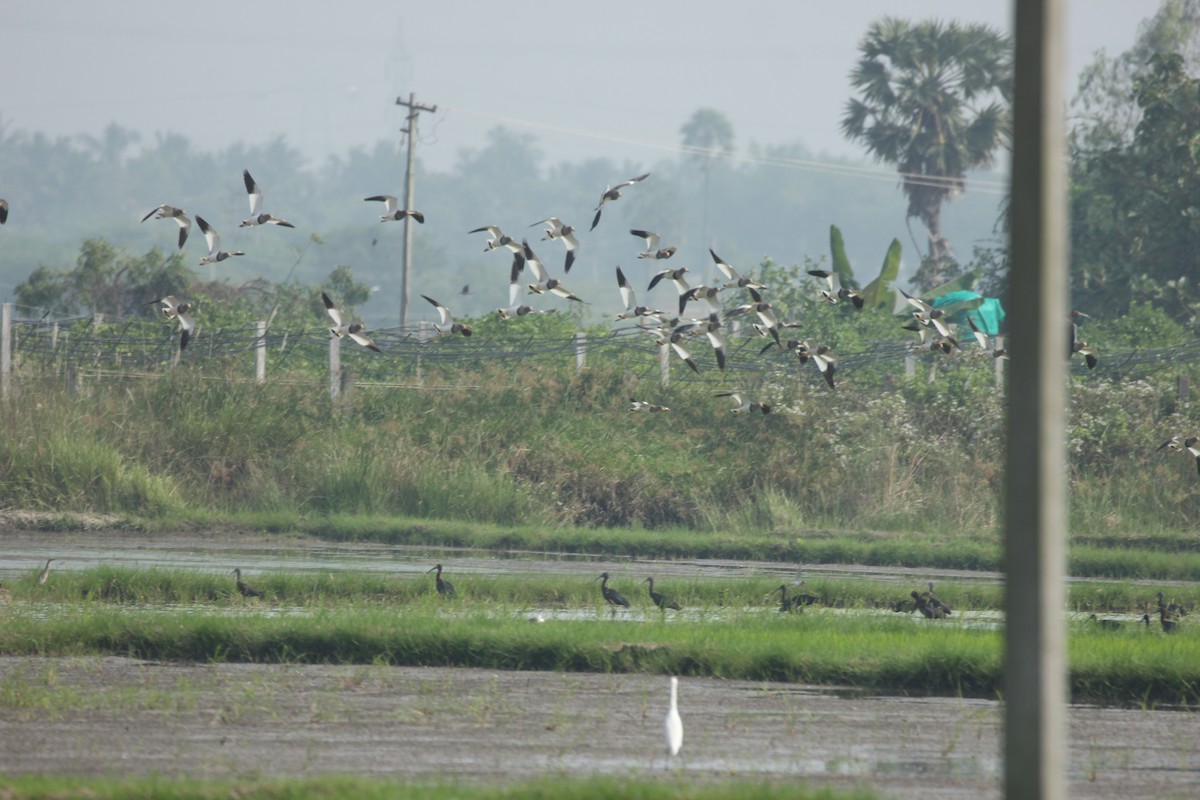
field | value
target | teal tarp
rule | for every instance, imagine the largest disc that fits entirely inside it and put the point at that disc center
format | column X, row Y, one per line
column 989, row 316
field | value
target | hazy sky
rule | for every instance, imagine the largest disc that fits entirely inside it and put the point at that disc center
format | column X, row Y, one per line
column 613, row 79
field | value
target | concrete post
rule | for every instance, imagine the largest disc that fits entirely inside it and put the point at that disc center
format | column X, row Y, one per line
column 1035, row 503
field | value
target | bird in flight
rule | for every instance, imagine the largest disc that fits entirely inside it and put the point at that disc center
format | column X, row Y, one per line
column 215, row 253
column 391, row 209
column 612, row 193
column 162, row 212
column 257, row 215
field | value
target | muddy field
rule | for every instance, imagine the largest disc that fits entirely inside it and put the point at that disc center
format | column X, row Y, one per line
column 121, row 717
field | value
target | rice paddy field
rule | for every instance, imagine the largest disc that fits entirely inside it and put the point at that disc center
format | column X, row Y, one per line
column 138, row 668
column 352, row 667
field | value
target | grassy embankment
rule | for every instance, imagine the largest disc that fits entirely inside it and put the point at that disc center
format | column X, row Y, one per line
column 548, row 459
column 732, row 632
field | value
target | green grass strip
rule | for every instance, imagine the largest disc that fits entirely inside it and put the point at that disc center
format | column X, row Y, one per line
column 887, row 653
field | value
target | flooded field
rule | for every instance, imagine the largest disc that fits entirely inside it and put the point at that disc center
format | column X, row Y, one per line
column 120, row 717
column 123, row 717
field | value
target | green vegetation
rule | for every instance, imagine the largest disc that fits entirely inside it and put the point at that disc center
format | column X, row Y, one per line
column 150, row 587
column 557, row 788
column 884, row 652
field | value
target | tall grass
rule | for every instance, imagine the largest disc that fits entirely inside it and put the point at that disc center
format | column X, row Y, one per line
column 552, row 447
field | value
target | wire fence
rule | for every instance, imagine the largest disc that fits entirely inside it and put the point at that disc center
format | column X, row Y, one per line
column 32, row 349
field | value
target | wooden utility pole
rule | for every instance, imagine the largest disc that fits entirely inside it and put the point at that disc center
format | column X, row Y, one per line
column 409, row 130
column 1035, row 504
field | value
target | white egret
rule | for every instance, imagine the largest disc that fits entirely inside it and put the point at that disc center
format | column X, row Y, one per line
column 674, row 725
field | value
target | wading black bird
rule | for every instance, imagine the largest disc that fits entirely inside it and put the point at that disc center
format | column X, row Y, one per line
column 1172, row 609
column 445, row 588
column 1168, row 625
column 929, row 610
column 796, row 603
column 611, row 596
column 660, row 599
column 246, row 589
column 936, row 602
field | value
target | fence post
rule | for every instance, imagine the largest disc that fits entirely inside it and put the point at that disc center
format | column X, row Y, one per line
column 1182, row 388
column 910, row 365
column 664, row 364
column 580, row 351
column 260, row 351
column 335, row 367
column 5, row 351
column 998, row 343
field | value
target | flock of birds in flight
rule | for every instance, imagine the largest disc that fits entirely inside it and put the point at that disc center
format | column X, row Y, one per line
column 675, row 328
column 672, row 328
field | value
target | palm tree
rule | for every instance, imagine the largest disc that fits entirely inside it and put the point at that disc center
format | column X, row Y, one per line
column 933, row 100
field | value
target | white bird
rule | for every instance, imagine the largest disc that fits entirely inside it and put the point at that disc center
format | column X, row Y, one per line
column 544, row 282
column 173, row 309
column 674, row 725
column 985, row 341
column 498, row 238
column 652, row 249
column 929, row 316
column 681, row 284
column 741, row 405
column 392, row 210
column 632, row 309
column 612, row 193
column 564, row 233
column 447, row 325
column 515, row 307
column 215, row 253
column 343, row 327
column 257, row 215
column 731, row 274
column 162, row 212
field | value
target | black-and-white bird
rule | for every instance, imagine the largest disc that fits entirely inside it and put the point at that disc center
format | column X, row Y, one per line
column 674, row 338
column 162, row 212
column 825, row 361
column 564, row 233
column 257, row 215
column 707, row 295
column 834, row 294
column 985, row 342
column 215, row 253
column 736, row 281
column 642, row 406
column 1190, row 444
column 498, row 238
column 172, row 308
column 612, row 193
column 676, row 276
column 929, row 316
column 629, row 299
column 544, row 282
column 447, row 323
column 653, row 251
column 4, row 214
column 392, row 210
column 743, row 405
column 1090, row 355
column 342, row 326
